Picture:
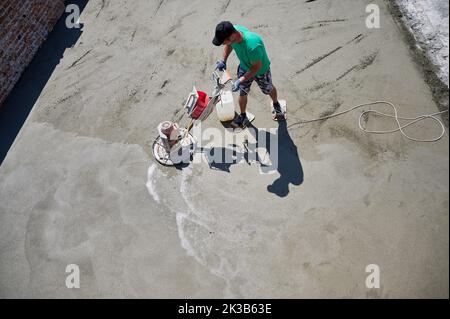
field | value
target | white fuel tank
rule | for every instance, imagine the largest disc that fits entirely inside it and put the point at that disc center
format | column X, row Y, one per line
column 225, row 107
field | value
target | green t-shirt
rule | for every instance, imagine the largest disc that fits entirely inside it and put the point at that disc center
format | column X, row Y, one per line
column 251, row 50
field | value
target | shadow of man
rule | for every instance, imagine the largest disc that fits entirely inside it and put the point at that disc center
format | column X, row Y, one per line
column 282, row 152
column 289, row 165
column 286, row 160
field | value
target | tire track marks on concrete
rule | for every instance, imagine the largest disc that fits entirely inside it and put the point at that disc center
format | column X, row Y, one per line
column 79, row 59
column 101, row 8
column 365, row 62
column 318, row 59
column 225, row 6
column 322, row 23
column 180, row 22
column 356, row 39
column 161, row 2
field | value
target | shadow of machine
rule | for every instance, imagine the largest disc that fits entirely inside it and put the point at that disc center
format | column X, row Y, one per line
column 286, row 160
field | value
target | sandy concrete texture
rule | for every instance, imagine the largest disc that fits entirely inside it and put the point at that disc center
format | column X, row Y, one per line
column 79, row 185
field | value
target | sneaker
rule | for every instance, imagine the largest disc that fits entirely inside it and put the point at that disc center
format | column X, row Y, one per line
column 277, row 109
column 240, row 121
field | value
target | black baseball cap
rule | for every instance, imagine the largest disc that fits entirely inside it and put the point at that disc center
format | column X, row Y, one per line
column 223, row 30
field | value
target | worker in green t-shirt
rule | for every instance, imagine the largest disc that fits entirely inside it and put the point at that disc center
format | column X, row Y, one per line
column 254, row 64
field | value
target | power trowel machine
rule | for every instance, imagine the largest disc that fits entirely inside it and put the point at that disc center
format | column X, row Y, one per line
column 174, row 144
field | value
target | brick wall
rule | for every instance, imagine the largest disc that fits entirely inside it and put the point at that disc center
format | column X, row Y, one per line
column 24, row 25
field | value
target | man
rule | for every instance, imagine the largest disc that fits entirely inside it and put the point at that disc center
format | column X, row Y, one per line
column 254, row 65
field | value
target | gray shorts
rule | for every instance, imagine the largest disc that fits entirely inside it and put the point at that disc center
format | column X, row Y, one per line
column 264, row 82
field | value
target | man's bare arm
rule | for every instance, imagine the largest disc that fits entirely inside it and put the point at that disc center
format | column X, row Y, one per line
column 253, row 70
column 226, row 52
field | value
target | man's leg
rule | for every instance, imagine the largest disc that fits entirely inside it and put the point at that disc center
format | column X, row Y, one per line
column 241, row 119
column 273, row 95
column 265, row 84
column 243, row 103
column 244, row 88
